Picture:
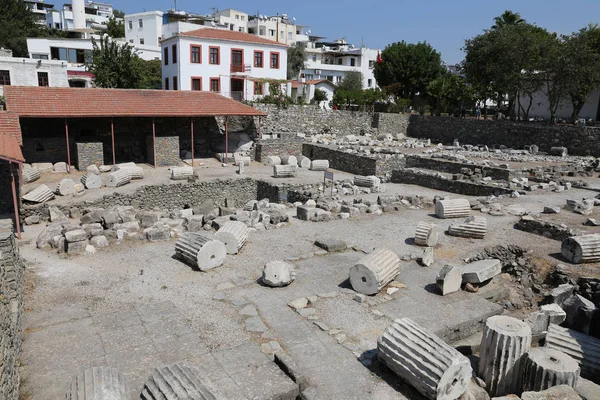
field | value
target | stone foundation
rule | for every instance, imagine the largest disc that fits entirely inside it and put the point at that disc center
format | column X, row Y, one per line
column 167, row 150
column 89, row 154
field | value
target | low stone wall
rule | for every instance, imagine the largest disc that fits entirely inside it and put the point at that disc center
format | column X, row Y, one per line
column 453, row 167
column 312, row 120
column 89, row 154
column 545, row 229
column 12, row 284
column 282, row 192
column 412, row 177
column 351, row 163
column 165, row 197
column 395, row 124
column 579, row 140
column 166, row 148
column 278, row 147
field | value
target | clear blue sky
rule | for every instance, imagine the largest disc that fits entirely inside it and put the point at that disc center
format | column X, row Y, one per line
column 443, row 23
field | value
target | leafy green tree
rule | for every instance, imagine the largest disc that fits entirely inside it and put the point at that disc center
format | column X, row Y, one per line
column 117, row 66
column 118, row 13
column 319, row 96
column 296, row 56
column 152, row 74
column 408, row 66
column 17, row 23
column 508, row 18
column 449, row 93
column 115, row 29
column 352, row 81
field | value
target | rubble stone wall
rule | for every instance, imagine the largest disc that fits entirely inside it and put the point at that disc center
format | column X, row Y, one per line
column 453, row 167
column 544, row 228
column 351, row 163
column 91, row 153
column 167, row 150
column 395, row 124
column 578, row 140
column 312, row 120
column 277, row 147
column 12, row 284
column 411, row 177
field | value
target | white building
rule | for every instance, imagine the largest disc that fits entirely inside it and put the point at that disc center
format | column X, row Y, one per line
column 305, row 89
column 332, row 60
column 278, row 28
column 27, row 72
column 232, row 63
column 231, row 19
column 540, row 107
column 40, row 9
column 93, row 16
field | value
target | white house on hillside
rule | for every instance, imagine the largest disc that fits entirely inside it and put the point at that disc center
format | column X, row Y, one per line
column 27, row 72
column 332, row 60
column 232, row 19
column 305, row 89
column 232, row 63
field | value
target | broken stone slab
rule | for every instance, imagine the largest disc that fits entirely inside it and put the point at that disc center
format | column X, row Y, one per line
column 255, row 324
column 559, row 151
column 551, row 210
column 426, row 234
column 581, row 249
column 331, row 245
column 374, row 271
column 99, row 241
column 427, row 257
column 129, row 227
column 278, row 273
column 181, row 173
column 60, row 167
column 559, row 294
column 32, row 220
column 562, row 392
column 556, row 315
column 44, row 238
column 582, row 314
column 66, row 187
column 505, row 340
column 118, row 178
column 298, row 303
column 285, row 171
column 195, row 223
column 234, row 235
column 79, row 190
column 481, row 271
column 149, row 218
column 179, row 381
column 423, row 360
column 55, row 214
column 200, row 251
column 40, row 194
column 449, row 279
column 158, row 233
column 76, row 248
column 92, row 169
column 99, row 383
column 543, row 368
column 76, row 235
column 452, row 208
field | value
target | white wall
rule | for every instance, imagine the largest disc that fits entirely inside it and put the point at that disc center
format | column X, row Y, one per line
column 539, row 108
column 185, row 70
column 23, row 71
column 336, row 71
column 42, row 46
column 150, row 32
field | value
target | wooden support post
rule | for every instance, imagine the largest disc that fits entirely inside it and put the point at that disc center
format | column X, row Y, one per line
column 192, row 131
column 154, row 141
column 68, row 146
column 259, row 127
column 15, row 204
column 226, row 140
column 112, row 133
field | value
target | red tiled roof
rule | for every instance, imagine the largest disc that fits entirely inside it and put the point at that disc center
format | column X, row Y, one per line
column 223, row 34
column 10, row 136
column 58, row 102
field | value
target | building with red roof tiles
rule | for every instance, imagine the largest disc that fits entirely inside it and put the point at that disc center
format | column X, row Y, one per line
column 234, row 64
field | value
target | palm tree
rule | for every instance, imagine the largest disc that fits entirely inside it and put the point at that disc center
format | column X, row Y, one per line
column 506, row 19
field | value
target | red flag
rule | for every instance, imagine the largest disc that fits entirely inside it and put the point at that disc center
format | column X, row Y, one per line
column 379, row 59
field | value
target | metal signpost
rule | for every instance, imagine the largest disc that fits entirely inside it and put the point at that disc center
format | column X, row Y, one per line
column 328, row 175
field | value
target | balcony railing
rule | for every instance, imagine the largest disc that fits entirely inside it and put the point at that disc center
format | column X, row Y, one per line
column 237, row 68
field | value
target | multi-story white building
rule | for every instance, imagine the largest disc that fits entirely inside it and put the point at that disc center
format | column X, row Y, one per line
column 332, row 60
column 278, row 28
column 232, row 19
column 40, row 9
column 94, row 15
column 234, row 64
column 27, row 72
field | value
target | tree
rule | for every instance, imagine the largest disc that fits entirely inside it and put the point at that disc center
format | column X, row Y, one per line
column 580, row 74
column 352, row 81
column 17, row 23
column 319, row 96
column 152, row 74
column 508, row 18
column 449, row 93
column 296, row 56
column 115, row 29
column 410, row 66
column 504, row 61
column 118, row 13
column 116, row 66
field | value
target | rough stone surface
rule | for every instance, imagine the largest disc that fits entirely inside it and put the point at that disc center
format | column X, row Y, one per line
column 562, row 392
column 331, row 245
column 481, row 271
column 278, row 273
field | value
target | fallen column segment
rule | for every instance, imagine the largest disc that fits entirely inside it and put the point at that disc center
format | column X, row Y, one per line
column 370, row 274
column 200, row 251
column 583, row 348
column 98, row 383
column 178, row 382
column 544, row 368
